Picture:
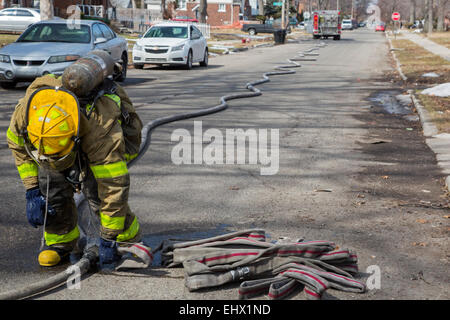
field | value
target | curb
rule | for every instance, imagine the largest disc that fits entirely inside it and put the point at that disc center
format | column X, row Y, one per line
column 438, row 143
column 429, row 128
column 392, row 50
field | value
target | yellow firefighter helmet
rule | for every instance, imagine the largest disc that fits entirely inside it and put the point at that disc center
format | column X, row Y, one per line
column 52, row 122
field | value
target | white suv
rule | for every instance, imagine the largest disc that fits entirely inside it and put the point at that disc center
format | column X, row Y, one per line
column 171, row 43
column 347, row 24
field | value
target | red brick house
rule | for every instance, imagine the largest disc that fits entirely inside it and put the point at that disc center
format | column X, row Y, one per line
column 220, row 12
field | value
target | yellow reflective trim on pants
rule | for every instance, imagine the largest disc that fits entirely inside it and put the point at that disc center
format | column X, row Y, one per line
column 16, row 139
column 130, row 233
column 51, row 238
column 111, row 170
column 113, row 223
column 27, row 170
column 129, row 157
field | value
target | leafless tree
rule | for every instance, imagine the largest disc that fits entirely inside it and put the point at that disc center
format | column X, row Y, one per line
column 203, row 11
column 261, row 7
column 412, row 11
column 428, row 26
column 442, row 10
column 46, row 8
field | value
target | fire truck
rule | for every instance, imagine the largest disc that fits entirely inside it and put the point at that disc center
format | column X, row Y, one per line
column 327, row 23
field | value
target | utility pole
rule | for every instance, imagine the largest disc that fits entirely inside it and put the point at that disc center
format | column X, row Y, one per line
column 338, row 7
column 283, row 25
column 353, row 2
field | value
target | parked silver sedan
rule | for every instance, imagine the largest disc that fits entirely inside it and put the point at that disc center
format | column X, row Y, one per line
column 18, row 19
column 51, row 46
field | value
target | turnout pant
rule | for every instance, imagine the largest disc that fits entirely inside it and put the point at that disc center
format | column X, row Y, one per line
column 61, row 230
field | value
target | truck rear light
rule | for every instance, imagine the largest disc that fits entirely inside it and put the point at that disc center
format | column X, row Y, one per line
column 316, row 21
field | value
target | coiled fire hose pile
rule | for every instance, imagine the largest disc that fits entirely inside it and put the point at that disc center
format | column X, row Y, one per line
column 90, row 255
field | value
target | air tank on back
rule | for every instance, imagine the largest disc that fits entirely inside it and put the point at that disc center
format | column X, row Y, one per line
column 85, row 74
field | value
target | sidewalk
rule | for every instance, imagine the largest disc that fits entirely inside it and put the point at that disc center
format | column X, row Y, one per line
column 439, row 143
column 429, row 45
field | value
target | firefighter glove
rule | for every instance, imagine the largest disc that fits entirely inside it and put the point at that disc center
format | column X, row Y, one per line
column 36, row 207
column 108, row 253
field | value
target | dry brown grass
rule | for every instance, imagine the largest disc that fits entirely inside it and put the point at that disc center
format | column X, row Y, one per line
column 7, row 38
column 439, row 110
column 416, row 61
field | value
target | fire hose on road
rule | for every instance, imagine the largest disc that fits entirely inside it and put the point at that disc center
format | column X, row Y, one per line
column 90, row 255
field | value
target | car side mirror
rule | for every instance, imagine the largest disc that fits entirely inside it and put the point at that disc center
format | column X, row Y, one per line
column 100, row 40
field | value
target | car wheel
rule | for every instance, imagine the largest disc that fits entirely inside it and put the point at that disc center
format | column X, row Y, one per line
column 188, row 65
column 138, row 66
column 8, row 85
column 252, row 32
column 123, row 74
column 204, row 63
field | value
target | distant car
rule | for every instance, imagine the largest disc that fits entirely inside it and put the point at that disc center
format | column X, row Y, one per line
column 18, row 19
column 171, row 43
column 293, row 21
column 184, row 19
column 347, row 24
column 380, row 27
column 301, row 26
column 48, row 47
column 418, row 24
column 362, row 24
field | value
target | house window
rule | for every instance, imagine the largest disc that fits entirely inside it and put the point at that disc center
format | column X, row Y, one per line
column 222, row 7
column 182, row 4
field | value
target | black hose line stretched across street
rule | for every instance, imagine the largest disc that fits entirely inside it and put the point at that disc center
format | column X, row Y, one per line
column 90, row 255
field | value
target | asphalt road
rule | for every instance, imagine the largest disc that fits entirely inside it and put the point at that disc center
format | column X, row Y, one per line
column 324, row 124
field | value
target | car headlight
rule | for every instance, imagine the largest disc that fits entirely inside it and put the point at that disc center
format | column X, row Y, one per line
column 65, row 58
column 178, row 48
column 138, row 47
column 4, row 58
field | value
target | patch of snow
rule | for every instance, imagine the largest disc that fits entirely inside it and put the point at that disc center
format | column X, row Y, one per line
column 442, row 90
column 431, row 75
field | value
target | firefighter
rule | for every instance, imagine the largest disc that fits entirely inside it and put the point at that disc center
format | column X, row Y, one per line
column 62, row 142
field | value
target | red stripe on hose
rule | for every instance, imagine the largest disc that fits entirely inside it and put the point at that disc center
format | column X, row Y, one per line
column 307, row 274
column 228, row 256
column 145, row 250
column 312, row 293
column 337, row 252
column 256, row 253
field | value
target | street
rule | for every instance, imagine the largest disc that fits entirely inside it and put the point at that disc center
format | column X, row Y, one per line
column 349, row 172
